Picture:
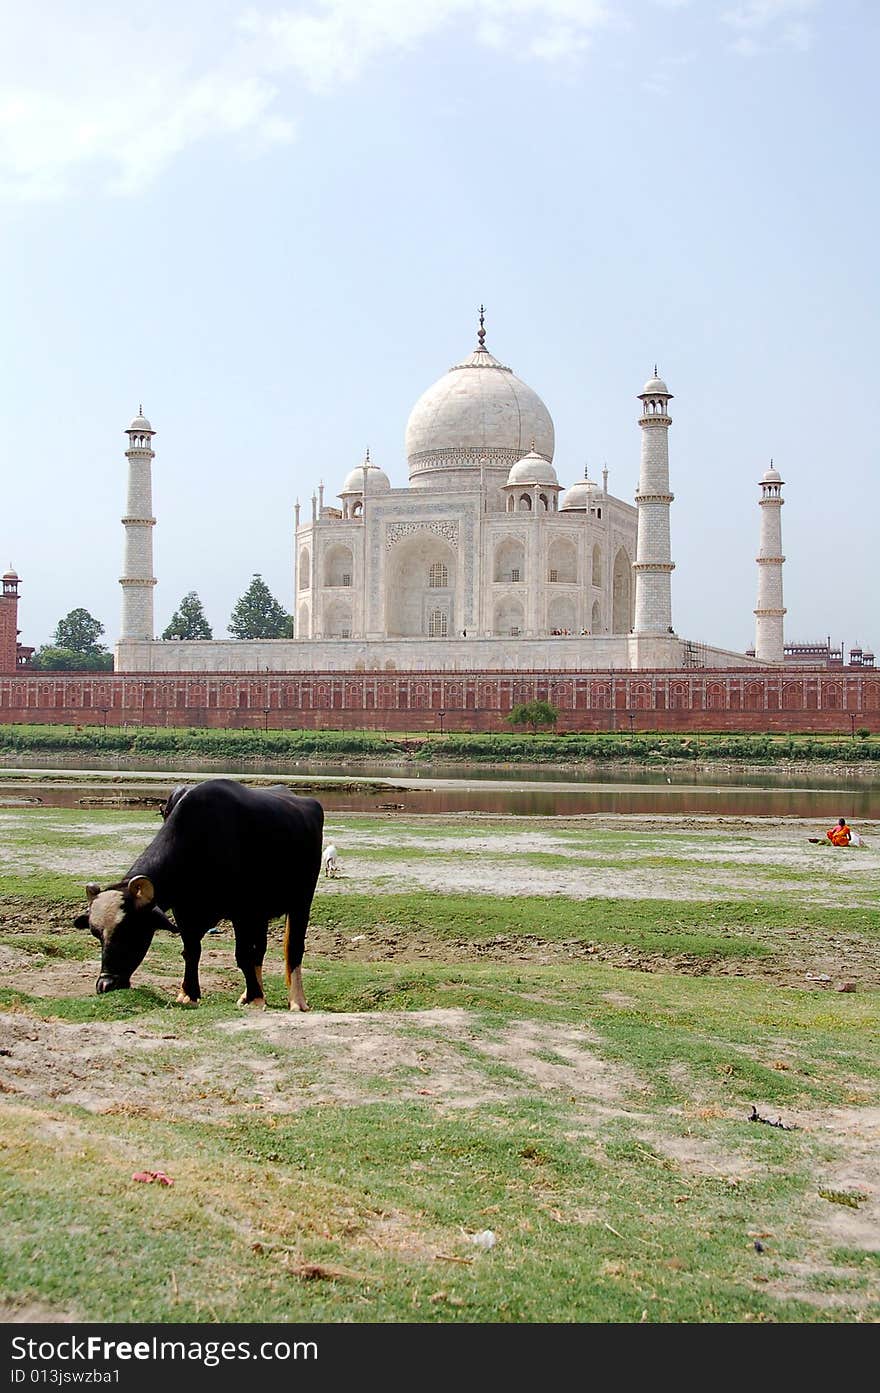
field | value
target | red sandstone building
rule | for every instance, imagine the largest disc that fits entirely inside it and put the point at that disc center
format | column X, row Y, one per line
column 778, row 700
column 13, row 654
column 794, row 698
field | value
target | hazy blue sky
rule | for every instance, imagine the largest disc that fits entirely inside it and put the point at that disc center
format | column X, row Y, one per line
column 274, row 224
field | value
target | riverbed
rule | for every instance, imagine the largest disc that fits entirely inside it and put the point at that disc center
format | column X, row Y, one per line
column 681, row 790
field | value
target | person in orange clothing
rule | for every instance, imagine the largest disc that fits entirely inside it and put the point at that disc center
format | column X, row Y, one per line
column 839, row 834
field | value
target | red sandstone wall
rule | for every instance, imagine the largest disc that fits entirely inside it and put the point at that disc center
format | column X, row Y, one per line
column 8, row 633
column 750, row 700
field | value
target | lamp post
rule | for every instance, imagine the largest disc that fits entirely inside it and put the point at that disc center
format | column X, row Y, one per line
column 266, row 710
column 103, row 710
column 440, row 715
column 632, row 716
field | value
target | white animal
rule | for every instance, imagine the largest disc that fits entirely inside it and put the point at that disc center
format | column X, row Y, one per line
column 329, row 857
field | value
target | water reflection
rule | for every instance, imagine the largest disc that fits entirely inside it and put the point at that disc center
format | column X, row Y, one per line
column 524, row 792
column 532, row 801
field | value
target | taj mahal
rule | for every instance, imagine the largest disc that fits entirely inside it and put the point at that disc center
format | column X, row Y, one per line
column 486, row 560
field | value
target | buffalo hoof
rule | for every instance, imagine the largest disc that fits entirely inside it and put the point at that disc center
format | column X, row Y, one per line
column 183, row 1000
column 258, row 1003
column 300, row 1005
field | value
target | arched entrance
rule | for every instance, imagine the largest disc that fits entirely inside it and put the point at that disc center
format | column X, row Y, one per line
column 622, row 594
column 420, row 598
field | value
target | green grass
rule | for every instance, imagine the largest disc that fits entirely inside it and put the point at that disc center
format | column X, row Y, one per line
column 351, row 1172
column 490, row 1074
column 482, row 918
column 555, row 918
column 549, row 860
column 738, row 929
column 234, row 746
column 380, row 1187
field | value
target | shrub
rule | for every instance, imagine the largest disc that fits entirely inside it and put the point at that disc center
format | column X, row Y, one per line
column 534, row 714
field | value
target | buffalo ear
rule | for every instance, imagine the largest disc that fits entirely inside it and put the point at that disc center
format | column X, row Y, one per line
column 92, row 889
column 81, row 922
column 140, row 887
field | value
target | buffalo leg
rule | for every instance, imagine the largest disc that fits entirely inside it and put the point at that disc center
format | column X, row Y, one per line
column 294, row 948
column 250, row 950
column 190, row 992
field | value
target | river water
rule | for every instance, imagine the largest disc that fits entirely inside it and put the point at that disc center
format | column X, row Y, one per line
column 528, row 791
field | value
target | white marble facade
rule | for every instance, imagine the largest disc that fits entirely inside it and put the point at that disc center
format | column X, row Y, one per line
column 485, row 560
column 483, row 543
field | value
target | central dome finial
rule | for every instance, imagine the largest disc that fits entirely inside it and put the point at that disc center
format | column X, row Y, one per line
column 479, row 415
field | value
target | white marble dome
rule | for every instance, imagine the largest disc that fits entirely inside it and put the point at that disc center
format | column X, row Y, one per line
column 140, row 424
column 578, row 497
column 655, row 387
column 377, row 480
column 533, row 469
column 479, row 412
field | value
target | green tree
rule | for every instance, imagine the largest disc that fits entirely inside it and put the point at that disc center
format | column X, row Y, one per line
column 79, row 631
column 258, row 614
column 189, row 620
column 75, row 647
column 52, row 659
column 534, row 714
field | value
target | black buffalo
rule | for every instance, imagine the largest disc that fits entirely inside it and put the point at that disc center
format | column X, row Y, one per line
column 223, row 852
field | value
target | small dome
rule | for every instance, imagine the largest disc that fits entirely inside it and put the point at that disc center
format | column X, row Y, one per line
column 579, row 497
column 655, row 387
column 140, row 424
column 377, row 480
column 533, row 469
column 772, row 476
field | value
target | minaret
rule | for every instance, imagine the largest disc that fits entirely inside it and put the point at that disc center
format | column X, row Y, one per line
column 770, row 609
column 9, row 622
column 138, row 579
column 654, row 566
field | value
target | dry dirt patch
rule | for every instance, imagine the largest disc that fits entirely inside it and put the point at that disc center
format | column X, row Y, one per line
column 853, row 1168
column 588, row 878
column 32, row 1313
column 444, row 1053
column 283, row 1063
